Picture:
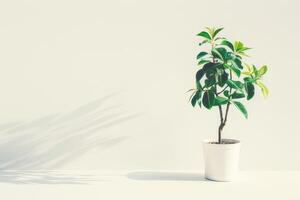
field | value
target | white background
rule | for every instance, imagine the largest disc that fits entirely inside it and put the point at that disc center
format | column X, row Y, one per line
column 101, row 84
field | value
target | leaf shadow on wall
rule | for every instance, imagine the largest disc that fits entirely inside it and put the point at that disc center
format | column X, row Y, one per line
column 55, row 140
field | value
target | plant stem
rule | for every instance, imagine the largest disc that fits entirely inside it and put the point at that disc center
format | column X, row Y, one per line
column 221, row 118
column 220, row 107
column 223, row 90
column 223, row 121
column 226, row 113
column 220, row 133
column 228, row 104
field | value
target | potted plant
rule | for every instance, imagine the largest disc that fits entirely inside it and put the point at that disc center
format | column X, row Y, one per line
column 223, row 81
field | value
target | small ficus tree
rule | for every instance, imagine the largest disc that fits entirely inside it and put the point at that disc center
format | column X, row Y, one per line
column 224, row 78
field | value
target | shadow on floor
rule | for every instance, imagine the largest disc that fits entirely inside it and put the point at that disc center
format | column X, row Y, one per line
column 53, row 141
column 165, row 176
column 44, row 177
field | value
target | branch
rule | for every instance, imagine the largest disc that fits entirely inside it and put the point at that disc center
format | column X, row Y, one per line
column 222, row 90
column 221, row 114
column 226, row 113
column 228, row 104
column 220, row 107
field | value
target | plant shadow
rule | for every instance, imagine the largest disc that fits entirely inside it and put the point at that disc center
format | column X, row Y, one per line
column 45, row 177
column 55, row 140
column 165, row 176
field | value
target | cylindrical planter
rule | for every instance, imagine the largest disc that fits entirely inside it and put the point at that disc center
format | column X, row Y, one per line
column 221, row 160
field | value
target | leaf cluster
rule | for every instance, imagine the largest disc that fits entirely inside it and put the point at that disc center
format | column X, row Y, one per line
column 223, row 77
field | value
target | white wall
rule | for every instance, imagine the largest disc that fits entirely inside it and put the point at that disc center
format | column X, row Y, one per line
column 101, row 84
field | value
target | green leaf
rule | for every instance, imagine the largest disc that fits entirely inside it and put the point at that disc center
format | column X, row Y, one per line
column 205, row 68
column 205, row 35
column 234, row 68
column 194, row 100
column 199, row 94
column 241, row 53
column 247, row 73
column 216, row 54
column 249, row 87
column 201, row 62
column 234, row 84
column 215, row 33
column 249, row 79
column 249, row 67
column 238, row 63
column 208, row 99
column 220, row 53
column 255, row 71
column 199, row 103
column 211, row 30
column 238, row 46
column 263, row 88
column 226, row 93
column 228, row 44
column 201, row 54
column 239, row 84
column 222, row 79
column 237, row 95
column 220, row 101
column 199, row 74
column 196, row 97
column 241, row 108
column 192, row 95
column 210, row 73
column 198, row 85
column 210, row 81
column 262, row 70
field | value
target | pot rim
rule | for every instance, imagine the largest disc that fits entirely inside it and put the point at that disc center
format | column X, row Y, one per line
column 235, row 142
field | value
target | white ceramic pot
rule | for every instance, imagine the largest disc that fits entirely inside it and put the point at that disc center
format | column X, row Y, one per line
column 221, row 160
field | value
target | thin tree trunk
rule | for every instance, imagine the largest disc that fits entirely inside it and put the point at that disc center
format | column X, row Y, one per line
column 220, row 126
column 223, row 120
column 220, row 134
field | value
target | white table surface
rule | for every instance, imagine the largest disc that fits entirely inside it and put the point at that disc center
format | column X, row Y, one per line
column 144, row 185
